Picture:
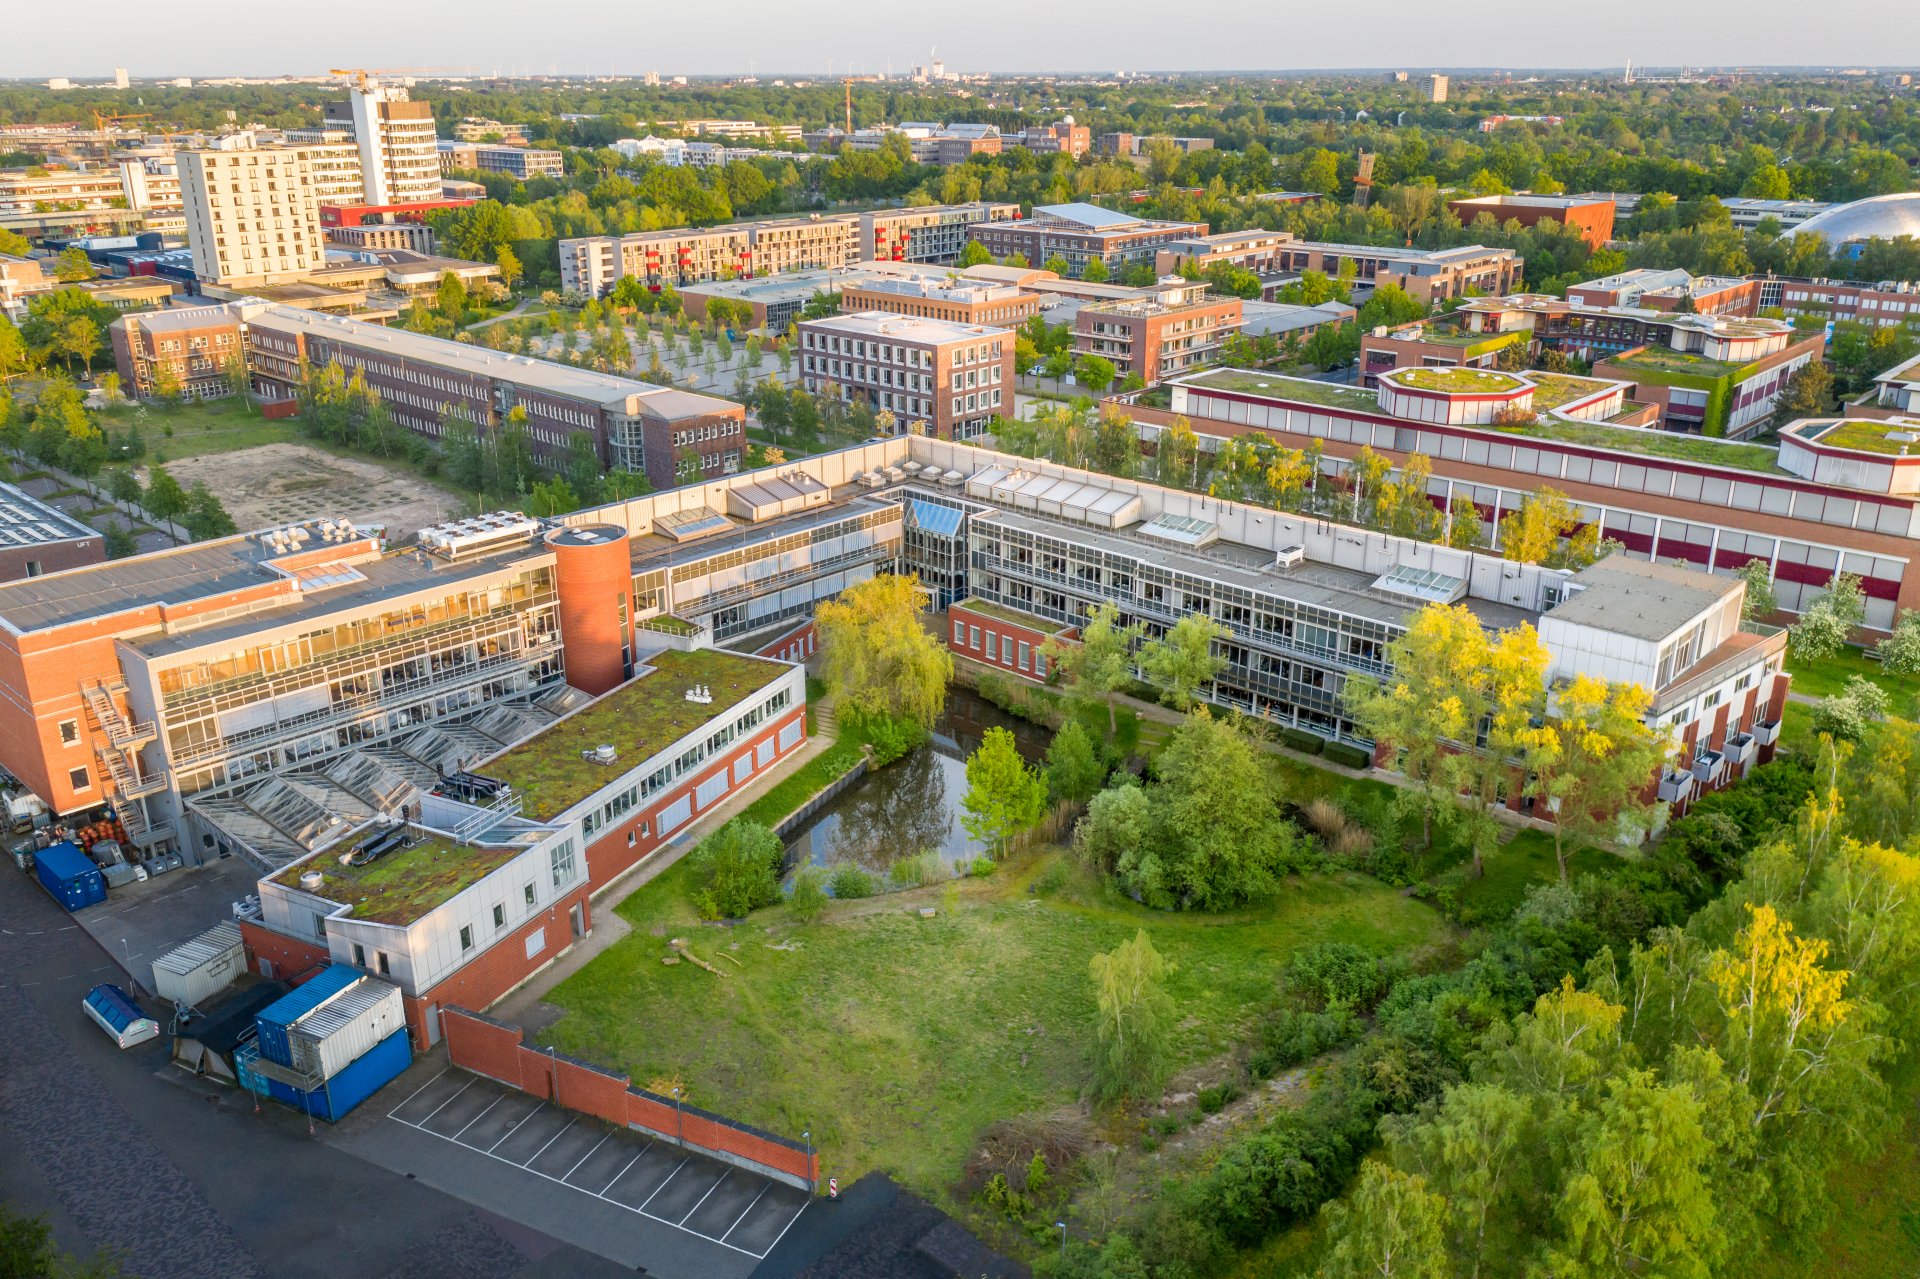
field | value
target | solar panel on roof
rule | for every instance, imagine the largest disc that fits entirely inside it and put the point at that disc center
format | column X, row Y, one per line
column 1186, row 530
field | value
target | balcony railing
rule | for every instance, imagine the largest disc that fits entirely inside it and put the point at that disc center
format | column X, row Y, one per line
column 1709, row 767
column 1676, row 787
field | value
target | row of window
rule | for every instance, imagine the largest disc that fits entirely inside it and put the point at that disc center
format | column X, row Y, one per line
column 1001, row 649
column 690, row 759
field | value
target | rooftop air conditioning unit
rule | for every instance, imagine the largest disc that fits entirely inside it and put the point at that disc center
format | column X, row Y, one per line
column 602, row 754
column 1290, row 556
column 311, row 881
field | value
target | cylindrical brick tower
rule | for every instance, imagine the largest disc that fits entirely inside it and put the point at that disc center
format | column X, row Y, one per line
column 593, row 575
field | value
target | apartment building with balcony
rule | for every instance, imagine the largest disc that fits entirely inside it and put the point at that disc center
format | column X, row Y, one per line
column 666, row 434
column 1171, row 329
column 1080, row 233
column 399, row 158
column 191, row 348
column 1430, row 276
column 592, row 264
column 936, row 377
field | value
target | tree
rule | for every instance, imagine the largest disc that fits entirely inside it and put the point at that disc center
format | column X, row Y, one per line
column 1095, row 372
column 1592, row 763
column 123, row 485
column 1412, row 206
column 1075, row 770
column 1809, row 393
column 233, row 371
column 1180, row 662
column 1134, row 1019
column 974, row 254
column 1058, row 265
column 1826, row 624
column 450, row 296
column 1095, row 271
column 14, row 356
column 1758, row 600
column 73, row 266
column 877, row 652
column 165, row 498
column 1004, row 794
column 738, row 867
column 1847, row 715
column 120, row 541
column 1101, row 663
column 552, row 497
column 1217, row 839
column 511, row 272
column 206, row 518
column 1900, row 650
column 1513, row 681
column 1532, row 534
column 808, row 898
column 1391, row 1229
column 1177, row 454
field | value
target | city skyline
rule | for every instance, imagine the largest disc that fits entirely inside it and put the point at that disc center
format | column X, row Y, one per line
column 784, row 42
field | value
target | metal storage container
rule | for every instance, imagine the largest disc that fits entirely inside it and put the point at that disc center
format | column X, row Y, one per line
column 64, row 871
column 360, row 1080
column 345, row 1028
column 280, row 1017
column 202, row 967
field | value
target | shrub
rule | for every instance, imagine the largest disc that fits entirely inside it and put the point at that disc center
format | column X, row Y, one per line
column 1347, row 754
column 1301, row 740
column 891, row 737
column 1325, row 816
column 981, row 868
column 1337, row 972
column 1217, row 1097
column 808, row 896
column 738, row 866
column 849, row 882
column 925, row 867
column 1292, row 1036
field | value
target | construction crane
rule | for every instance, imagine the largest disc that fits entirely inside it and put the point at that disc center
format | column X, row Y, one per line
column 101, row 122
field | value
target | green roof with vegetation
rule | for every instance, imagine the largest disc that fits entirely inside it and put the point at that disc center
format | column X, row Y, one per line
column 1334, row 395
column 1454, row 381
column 404, row 885
column 1869, row 435
column 1661, row 359
column 668, row 624
column 1551, row 390
column 638, row 719
column 1650, row 442
column 1013, row 617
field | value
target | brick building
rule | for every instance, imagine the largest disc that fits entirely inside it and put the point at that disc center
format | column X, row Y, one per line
column 936, row 377
column 956, row 301
column 1430, row 276
column 37, row 538
column 197, row 345
column 665, row 434
column 1170, row 329
column 1592, row 218
column 1081, row 233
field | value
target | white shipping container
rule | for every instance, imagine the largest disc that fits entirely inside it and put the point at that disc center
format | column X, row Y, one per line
column 336, row 1034
column 202, row 967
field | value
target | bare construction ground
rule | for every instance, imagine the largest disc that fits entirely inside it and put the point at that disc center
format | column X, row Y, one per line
column 274, row 484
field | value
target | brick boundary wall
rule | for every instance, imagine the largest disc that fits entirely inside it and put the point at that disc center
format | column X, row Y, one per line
column 496, row 1049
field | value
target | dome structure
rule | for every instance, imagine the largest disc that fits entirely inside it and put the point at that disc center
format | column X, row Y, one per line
column 1878, row 217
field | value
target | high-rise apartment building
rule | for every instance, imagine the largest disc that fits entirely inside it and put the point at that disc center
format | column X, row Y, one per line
column 1436, row 88
column 337, row 175
column 252, row 214
column 399, row 158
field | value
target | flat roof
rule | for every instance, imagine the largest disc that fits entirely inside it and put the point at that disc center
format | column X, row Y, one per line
column 1275, row 386
column 906, row 328
column 405, row 884
column 1642, row 598
column 638, row 719
column 27, row 521
column 162, row 577
column 544, row 375
column 1893, row 437
column 1530, row 201
column 1091, row 216
column 181, row 317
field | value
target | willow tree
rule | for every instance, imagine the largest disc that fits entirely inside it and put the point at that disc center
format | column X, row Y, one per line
column 878, row 653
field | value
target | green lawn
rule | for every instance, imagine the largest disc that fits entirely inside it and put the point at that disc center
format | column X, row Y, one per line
column 1829, row 675
column 205, row 426
column 897, row 1039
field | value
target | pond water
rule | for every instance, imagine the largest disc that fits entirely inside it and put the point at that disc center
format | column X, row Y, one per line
column 913, row 804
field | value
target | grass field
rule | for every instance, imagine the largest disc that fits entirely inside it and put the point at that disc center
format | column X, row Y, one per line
column 1829, row 675
column 896, row 1039
column 199, row 428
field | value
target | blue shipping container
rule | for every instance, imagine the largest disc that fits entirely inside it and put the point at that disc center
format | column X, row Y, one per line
column 365, row 1076
column 277, row 1018
column 74, row 881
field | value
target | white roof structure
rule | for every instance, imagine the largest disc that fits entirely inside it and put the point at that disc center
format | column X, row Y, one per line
column 1064, row 497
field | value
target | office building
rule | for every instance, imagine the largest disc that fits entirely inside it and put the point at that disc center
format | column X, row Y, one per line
column 1117, row 144
column 252, row 215
column 37, row 538
column 1881, row 304
column 481, row 129
column 1079, row 233
column 1591, row 217
column 1748, row 213
column 189, row 351
column 937, row 233
column 519, row 162
column 1430, row 276
column 120, row 80
column 937, row 378
column 668, row 435
column 955, row 301
column 399, row 159
column 1062, row 137
column 1168, row 330
column 1437, row 88
column 1673, row 290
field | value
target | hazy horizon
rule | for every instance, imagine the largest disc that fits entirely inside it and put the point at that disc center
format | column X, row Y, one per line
column 491, row 37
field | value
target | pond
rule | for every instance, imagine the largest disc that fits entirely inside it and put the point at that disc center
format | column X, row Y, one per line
column 913, row 804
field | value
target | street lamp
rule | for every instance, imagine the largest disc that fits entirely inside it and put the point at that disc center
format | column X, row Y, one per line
column 1063, row 1239
column 679, row 1118
column 807, row 1136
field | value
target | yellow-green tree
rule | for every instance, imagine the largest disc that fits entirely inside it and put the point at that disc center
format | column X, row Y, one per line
column 1514, row 691
column 1101, row 662
column 1402, row 506
column 1288, row 476
column 1135, row 1018
column 1532, row 534
column 1366, row 473
column 1592, row 763
column 1180, row 662
column 878, row 653
column 1177, row 454
column 1393, row 1228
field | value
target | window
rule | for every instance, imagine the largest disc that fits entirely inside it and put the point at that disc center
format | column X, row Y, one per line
column 993, row 646
column 466, row 937
column 78, row 779
column 499, row 915
column 1023, row 655
column 381, row 955
column 563, row 863
column 359, row 955
column 973, row 637
column 69, row 732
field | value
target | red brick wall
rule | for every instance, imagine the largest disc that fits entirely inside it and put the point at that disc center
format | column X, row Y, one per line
column 290, row 956
column 1006, row 653
column 609, row 856
column 796, row 645
column 493, row 1049
column 482, row 981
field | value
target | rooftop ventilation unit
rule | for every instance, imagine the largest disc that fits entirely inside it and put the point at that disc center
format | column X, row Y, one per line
column 1290, row 556
column 602, row 754
column 478, row 535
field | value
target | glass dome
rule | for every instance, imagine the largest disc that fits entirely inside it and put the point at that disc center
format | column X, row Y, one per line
column 1880, row 217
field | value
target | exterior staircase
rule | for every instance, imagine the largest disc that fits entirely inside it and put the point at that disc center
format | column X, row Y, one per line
column 118, row 749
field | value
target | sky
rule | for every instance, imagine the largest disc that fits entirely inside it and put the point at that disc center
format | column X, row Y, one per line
column 800, row 37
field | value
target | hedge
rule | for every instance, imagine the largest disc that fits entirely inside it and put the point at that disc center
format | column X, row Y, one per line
column 1351, row 756
column 1301, row 740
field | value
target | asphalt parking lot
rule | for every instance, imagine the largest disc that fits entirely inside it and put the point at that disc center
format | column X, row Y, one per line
column 723, row 1219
